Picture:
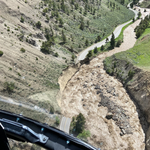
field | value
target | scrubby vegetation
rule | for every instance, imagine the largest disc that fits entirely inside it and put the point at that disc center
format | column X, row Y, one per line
column 78, row 127
column 142, row 26
column 84, row 135
column 22, row 50
column 1, row 53
column 57, row 121
column 145, row 4
column 22, row 19
column 9, row 87
column 38, row 24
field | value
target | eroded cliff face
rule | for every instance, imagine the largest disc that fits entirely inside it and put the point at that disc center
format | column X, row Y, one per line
column 138, row 87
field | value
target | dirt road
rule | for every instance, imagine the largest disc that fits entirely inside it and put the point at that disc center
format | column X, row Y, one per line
column 96, row 94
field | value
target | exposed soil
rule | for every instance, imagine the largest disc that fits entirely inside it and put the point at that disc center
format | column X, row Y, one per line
column 99, row 96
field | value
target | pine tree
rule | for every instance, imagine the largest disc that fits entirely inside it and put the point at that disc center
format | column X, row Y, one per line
column 107, row 39
column 89, row 54
column 82, row 25
column 118, row 43
column 63, row 37
column 102, row 47
column 95, row 50
column 112, row 41
column 98, row 38
column 80, row 123
column 86, row 42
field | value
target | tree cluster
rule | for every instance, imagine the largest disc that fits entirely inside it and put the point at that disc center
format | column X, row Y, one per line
column 78, row 124
column 98, row 39
column 46, row 46
column 134, row 3
column 142, row 26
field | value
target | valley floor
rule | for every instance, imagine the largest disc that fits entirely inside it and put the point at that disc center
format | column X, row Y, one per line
column 94, row 93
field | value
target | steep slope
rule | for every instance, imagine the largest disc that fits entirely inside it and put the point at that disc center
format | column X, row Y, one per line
column 111, row 116
column 31, row 71
column 27, row 27
column 57, row 28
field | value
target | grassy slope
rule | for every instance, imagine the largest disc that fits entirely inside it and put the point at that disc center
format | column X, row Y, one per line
column 145, row 4
column 139, row 55
column 107, row 45
column 101, row 23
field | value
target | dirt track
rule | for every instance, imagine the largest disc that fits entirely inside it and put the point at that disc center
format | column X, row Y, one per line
column 86, row 90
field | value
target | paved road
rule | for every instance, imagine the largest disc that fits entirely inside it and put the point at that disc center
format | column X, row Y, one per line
column 65, row 124
column 116, row 32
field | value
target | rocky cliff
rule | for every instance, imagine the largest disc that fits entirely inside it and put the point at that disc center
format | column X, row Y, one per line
column 137, row 83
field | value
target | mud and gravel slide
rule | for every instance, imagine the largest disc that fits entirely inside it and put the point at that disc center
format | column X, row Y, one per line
column 111, row 115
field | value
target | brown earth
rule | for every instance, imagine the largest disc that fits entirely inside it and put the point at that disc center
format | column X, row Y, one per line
column 94, row 93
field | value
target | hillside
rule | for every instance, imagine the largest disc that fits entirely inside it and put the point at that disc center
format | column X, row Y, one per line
column 145, row 4
column 39, row 39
